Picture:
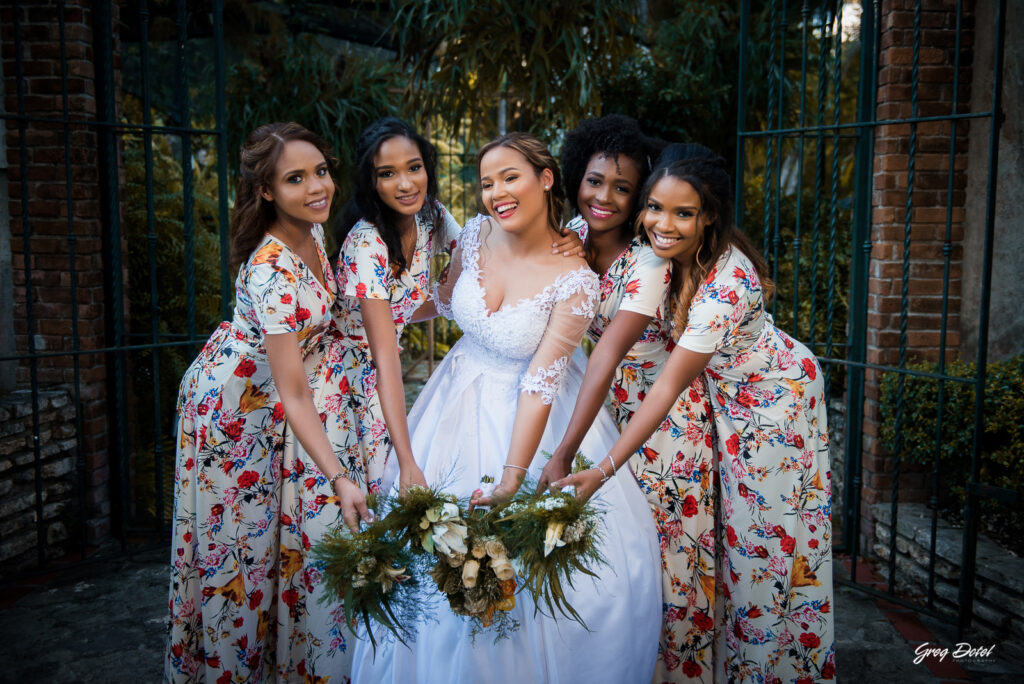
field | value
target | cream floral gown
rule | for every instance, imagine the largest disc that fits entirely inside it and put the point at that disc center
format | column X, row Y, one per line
column 230, row 576
column 674, row 467
column 767, row 396
column 345, row 392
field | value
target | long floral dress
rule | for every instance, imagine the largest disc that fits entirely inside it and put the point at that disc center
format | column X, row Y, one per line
column 227, row 494
column 767, row 395
column 345, row 391
column 674, row 467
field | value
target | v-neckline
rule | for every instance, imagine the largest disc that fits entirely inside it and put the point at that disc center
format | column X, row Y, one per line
column 321, row 257
column 482, row 291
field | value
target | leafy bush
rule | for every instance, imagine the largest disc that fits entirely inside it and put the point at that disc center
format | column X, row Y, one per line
column 1002, row 442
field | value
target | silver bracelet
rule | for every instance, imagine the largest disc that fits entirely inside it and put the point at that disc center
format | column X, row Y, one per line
column 509, row 465
column 612, row 460
column 604, row 475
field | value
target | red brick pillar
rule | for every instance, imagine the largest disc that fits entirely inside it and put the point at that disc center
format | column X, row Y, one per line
column 47, row 217
column 927, row 218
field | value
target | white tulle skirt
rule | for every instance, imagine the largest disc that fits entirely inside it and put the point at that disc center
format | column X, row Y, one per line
column 461, row 427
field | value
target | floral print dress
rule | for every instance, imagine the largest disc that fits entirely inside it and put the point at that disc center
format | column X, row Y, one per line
column 226, row 558
column 345, row 392
column 767, row 396
column 674, row 467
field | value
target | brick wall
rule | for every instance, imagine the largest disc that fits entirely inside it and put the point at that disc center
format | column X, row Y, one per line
column 928, row 217
column 48, row 208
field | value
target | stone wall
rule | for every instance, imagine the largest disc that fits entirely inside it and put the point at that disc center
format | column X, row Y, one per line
column 1006, row 332
column 999, row 587
column 18, row 506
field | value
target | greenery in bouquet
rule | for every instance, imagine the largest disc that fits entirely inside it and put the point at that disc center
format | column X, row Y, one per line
column 376, row 576
column 478, row 560
column 551, row 537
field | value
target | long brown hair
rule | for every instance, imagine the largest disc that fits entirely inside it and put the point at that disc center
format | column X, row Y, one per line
column 708, row 177
column 253, row 214
column 540, row 158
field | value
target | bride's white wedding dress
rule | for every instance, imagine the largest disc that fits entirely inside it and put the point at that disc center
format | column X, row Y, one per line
column 461, row 428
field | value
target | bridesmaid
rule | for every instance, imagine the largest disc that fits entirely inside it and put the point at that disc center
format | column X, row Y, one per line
column 767, row 397
column 387, row 235
column 605, row 163
column 231, row 415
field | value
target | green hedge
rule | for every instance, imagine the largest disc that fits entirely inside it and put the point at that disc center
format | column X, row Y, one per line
column 1003, row 439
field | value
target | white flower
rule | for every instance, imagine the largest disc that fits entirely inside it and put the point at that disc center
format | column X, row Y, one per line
column 444, row 530
column 388, row 576
column 469, row 573
column 502, row 568
column 576, row 531
column 553, row 537
column 494, row 548
column 366, row 565
column 551, row 503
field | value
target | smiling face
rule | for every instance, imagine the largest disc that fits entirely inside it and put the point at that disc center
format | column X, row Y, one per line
column 674, row 221
column 512, row 191
column 400, row 175
column 302, row 188
column 608, row 191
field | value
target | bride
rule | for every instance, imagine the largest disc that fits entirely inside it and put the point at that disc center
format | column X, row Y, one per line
column 502, row 395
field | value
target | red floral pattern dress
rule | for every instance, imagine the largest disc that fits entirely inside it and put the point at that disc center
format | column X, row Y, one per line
column 226, row 558
column 673, row 467
column 767, row 396
column 345, row 392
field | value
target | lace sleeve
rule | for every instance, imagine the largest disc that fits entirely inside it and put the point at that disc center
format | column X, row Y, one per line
column 575, row 298
column 464, row 255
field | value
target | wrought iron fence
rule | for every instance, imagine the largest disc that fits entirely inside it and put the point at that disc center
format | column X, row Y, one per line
column 807, row 169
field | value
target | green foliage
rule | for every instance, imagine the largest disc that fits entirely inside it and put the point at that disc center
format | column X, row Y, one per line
column 334, row 93
column 909, row 420
column 166, row 277
column 547, row 58
column 682, row 85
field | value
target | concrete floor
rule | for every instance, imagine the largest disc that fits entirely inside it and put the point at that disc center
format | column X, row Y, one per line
column 104, row 622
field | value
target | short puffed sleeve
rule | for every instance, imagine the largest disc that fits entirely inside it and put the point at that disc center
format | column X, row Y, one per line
column 273, row 288
column 645, row 282
column 725, row 301
column 364, row 264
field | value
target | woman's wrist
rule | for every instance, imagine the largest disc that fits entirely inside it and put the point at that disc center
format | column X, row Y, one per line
column 512, row 476
column 336, row 479
column 563, row 455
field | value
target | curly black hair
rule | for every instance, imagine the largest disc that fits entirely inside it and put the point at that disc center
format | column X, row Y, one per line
column 610, row 135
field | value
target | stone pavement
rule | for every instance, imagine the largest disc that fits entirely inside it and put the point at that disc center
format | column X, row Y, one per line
column 103, row 622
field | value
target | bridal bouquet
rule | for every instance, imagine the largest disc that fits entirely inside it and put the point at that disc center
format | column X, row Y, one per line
column 478, row 560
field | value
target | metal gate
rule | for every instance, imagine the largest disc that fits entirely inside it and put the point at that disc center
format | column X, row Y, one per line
column 161, row 153
column 808, row 169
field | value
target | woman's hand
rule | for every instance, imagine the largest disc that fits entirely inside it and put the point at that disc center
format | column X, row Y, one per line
column 511, row 480
column 569, row 244
column 556, row 469
column 586, row 482
column 410, row 476
column 353, row 503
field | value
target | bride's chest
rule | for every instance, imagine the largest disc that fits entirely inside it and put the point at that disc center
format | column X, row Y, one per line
column 514, row 330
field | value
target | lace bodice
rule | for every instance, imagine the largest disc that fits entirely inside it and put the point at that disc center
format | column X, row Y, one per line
column 537, row 333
